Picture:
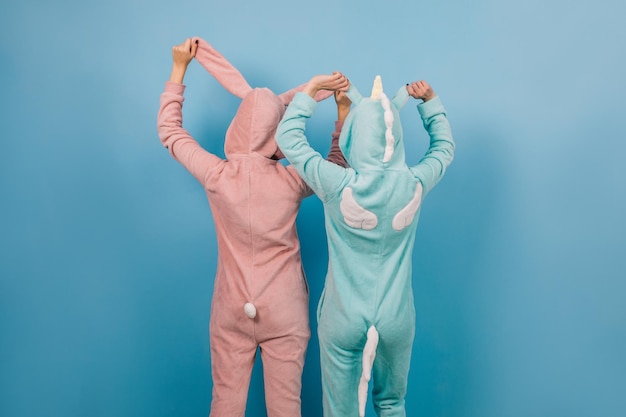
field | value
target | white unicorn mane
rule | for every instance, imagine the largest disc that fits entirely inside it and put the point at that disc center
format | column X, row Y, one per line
column 389, row 139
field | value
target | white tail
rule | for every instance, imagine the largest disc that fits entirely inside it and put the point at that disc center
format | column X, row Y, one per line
column 369, row 354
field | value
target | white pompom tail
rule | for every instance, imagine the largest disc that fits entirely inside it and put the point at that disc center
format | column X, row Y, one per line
column 250, row 310
column 369, row 354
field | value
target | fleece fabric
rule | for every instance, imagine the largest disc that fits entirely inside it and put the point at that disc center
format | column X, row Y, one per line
column 371, row 215
column 260, row 297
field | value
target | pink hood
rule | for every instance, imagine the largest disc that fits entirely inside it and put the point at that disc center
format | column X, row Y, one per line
column 253, row 127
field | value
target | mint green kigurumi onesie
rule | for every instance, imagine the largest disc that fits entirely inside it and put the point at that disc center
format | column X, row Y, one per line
column 366, row 315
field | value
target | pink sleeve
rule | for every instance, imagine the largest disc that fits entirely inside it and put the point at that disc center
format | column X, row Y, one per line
column 174, row 137
column 335, row 155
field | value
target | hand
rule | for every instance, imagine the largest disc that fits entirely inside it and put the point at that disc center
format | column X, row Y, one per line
column 333, row 82
column 181, row 56
column 343, row 105
column 420, row 90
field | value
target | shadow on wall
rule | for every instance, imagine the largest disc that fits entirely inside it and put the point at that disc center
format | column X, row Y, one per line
column 452, row 275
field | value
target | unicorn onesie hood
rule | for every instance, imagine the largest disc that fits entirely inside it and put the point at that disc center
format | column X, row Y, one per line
column 366, row 313
column 260, row 296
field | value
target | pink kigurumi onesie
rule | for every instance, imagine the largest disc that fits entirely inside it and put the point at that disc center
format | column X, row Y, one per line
column 260, row 294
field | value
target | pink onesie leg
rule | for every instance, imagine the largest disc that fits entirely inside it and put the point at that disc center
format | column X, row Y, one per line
column 283, row 361
column 232, row 357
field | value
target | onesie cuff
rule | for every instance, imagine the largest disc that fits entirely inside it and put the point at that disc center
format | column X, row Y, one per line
column 174, row 88
column 304, row 103
column 431, row 108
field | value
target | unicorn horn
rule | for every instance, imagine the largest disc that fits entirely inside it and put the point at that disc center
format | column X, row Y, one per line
column 377, row 88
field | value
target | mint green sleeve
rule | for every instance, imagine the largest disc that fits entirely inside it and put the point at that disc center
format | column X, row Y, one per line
column 325, row 178
column 431, row 168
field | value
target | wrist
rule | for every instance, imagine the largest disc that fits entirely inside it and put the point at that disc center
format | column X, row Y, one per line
column 311, row 89
column 178, row 72
column 428, row 97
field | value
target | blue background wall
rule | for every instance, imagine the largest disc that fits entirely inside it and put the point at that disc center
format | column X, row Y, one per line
column 107, row 247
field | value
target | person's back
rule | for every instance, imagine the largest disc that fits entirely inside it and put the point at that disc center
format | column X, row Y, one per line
column 260, row 296
column 371, row 209
column 255, row 200
column 371, row 220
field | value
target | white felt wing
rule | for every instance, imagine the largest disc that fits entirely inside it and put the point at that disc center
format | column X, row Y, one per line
column 353, row 214
column 407, row 214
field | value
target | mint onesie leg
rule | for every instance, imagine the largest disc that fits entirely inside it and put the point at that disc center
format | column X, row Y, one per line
column 341, row 353
column 341, row 372
column 390, row 374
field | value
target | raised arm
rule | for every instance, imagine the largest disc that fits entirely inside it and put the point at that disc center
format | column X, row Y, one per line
column 343, row 108
column 432, row 166
column 173, row 136
column 322, row 176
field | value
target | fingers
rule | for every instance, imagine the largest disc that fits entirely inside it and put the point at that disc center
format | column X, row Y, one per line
column 194, row 48
column 184, row 47
column 342, row 99
column 418, row 89
column 423, row 86
column 410, row 90
column 183, row 53
column 337, row 77
column 341, row 82
column 415, row 90
column 186, row 50
column 335, row 81
column 417, row 86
